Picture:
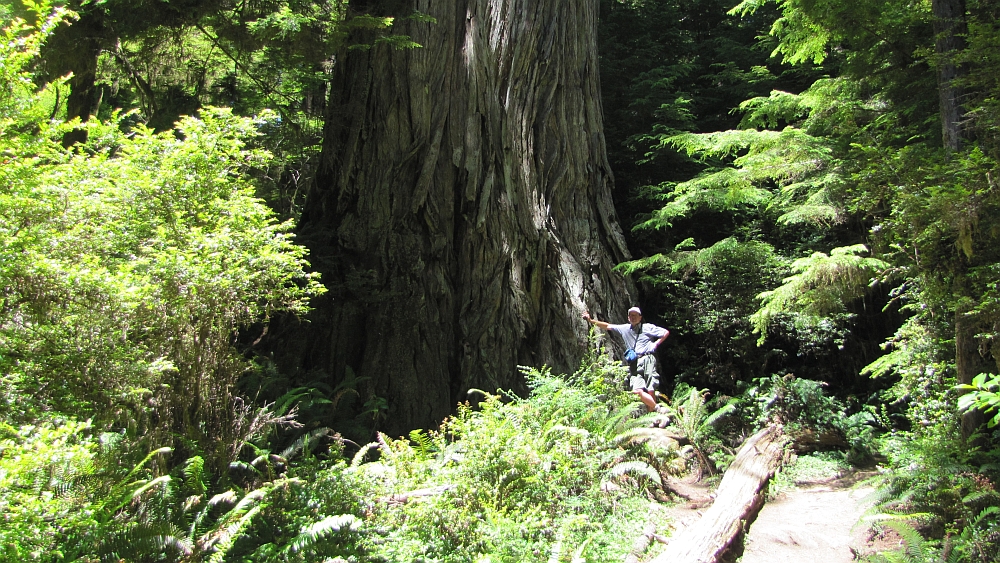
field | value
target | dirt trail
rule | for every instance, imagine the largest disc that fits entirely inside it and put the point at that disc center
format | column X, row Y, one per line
column 811, row 523
column 815, row 522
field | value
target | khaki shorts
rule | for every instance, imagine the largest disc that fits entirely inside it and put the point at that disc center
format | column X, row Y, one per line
column 643, row 374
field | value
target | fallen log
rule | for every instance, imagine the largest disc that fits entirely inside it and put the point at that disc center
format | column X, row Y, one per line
column 812, row 440
column 738, row 499
column 403, row 498
column 641, row 544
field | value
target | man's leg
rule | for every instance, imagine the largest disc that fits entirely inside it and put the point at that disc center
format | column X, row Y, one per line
column 647, row 372
column 647, row 398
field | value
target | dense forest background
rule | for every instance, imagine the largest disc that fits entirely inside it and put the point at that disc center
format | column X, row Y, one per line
column 302, row 281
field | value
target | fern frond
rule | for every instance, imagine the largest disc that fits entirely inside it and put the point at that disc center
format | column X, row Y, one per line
column 225, row 538
column 977, row 496
column 914, row 545
column 194, row 475
column 555, row 552
column 984, row 514
column 578, row 554
column 248, row 500
column 898, row 517
column 138, row 541
column 285, row 403
column 617, row 419
column 424, row 443
column 989, row 467
column 640, row 468
column 260, row 460
column 304, row 442
column 881, row 495
column 231, row 526
column 312, row 533
column 244, row 466
column 719, row 413
column 177, row 542
column 145, row 486
column 629, row 436
column 228, row 497
column 689, row 412
column 359, row 457
column 146, row 460
column 568, row 430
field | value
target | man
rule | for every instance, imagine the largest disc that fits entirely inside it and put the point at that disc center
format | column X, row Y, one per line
column 644, row 338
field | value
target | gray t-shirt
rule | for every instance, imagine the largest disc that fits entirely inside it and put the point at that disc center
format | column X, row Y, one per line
column 642, row 343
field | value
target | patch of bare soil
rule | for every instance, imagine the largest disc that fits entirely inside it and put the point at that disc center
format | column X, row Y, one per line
column 814, row 522
column 691, row 499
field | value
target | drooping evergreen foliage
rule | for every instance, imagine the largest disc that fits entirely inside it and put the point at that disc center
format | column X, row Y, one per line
column 879, row 208
column 817, row 232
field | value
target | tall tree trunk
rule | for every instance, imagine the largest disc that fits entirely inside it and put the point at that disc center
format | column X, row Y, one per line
column 949, row 38
column 969, row 362
column 75, row 48
column 462, row 215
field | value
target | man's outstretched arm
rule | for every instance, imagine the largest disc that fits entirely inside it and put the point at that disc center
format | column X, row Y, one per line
column 595, row 322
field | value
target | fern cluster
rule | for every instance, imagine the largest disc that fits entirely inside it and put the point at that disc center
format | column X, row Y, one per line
column 513, row 479
column 944, row 505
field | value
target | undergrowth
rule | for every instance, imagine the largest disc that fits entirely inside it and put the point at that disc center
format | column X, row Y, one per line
column 556, row 476
column 540, row 478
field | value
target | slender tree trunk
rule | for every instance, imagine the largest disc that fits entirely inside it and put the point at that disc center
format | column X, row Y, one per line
column 949, row 33
column 969, row 362
column 462, row 215
column 75, row 48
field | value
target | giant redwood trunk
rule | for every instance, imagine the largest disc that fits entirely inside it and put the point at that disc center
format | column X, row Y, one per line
column 462, row 214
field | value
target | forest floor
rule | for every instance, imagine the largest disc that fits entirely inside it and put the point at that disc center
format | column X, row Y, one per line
column 813, row 521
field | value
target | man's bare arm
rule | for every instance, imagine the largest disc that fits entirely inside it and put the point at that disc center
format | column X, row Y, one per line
column 595, row 322
column 662, row 338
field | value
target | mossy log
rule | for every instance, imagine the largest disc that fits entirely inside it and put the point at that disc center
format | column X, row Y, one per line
column 738, row 499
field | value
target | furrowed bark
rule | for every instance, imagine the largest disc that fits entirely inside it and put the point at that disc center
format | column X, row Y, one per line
column 462, row 215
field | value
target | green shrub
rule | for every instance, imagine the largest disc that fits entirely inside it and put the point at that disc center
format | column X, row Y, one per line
column 982, row 394
column 795, row 402
column 39, row 467
column 129, row 262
